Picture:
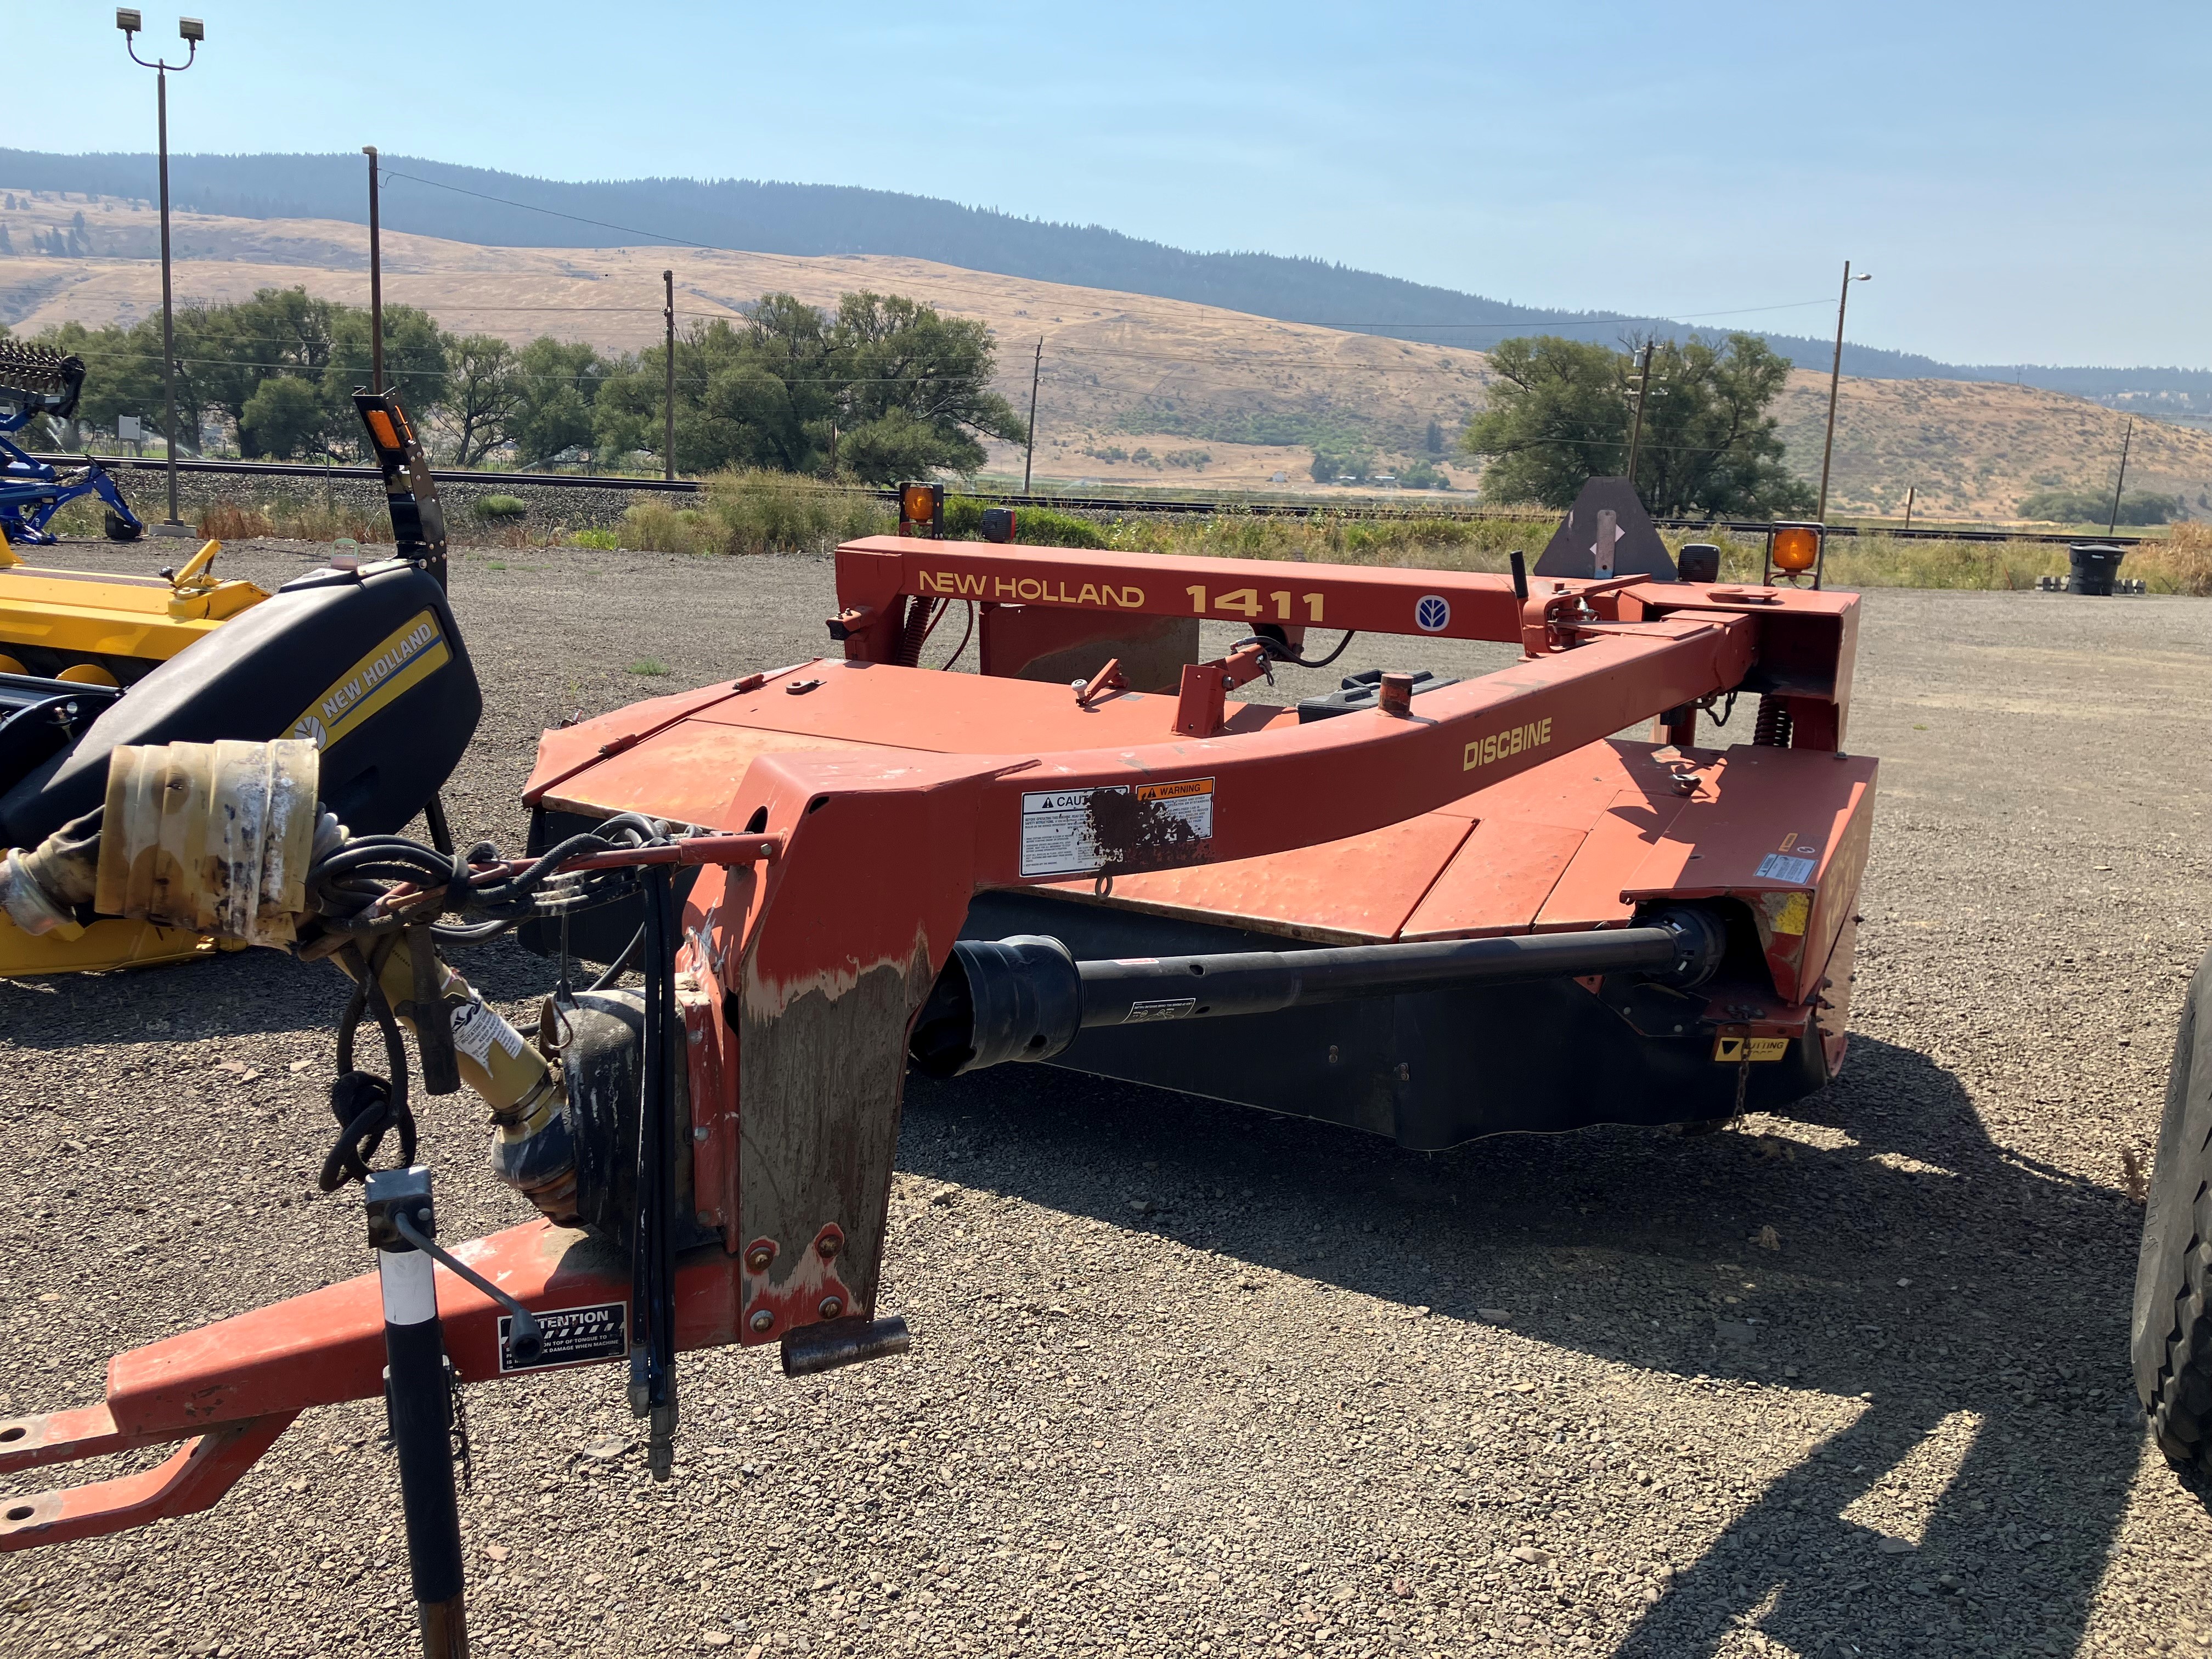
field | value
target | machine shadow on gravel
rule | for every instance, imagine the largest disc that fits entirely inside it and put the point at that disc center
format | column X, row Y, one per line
column 226, row 994
column 2025, row 1275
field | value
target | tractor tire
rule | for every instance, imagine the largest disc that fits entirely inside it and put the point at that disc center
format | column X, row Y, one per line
column 120, row 528
column 2172, row 1342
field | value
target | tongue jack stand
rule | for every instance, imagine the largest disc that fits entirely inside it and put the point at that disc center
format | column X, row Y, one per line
column 418, row 1403
column 652, row 1286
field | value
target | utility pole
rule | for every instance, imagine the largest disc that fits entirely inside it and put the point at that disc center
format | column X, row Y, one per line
column 1036, row 368
column 1910, row 490
column 1835, row 378
column 668, row 316
column 1636, row 432
column 375, row 281
column 2126, row 439
column 191, row 31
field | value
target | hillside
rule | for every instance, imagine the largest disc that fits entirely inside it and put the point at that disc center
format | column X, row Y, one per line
column 1122, row 374
column 478, row 205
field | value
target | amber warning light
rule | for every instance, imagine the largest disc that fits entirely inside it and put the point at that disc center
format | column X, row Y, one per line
column 922, row 509
column 1796, row 548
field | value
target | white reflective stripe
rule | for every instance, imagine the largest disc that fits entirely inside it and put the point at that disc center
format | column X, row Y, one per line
column 411, row 1294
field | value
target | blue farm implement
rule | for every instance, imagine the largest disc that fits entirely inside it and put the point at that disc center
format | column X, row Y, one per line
column 36, row 381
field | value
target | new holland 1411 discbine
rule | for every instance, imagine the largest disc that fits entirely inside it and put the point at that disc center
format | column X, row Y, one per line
column 1430, row 909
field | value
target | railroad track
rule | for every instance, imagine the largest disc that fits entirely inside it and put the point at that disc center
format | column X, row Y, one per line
column 1262, row 509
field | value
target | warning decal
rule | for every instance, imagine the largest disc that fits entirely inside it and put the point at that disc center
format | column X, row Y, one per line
column 1060, row 827
column 1780, row 867
column 1728, row 1050
column 1166, row 1008
column 573, row 1336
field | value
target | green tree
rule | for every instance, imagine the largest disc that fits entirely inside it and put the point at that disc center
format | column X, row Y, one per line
column 2095, row 507
column 1561, row 412
column 887, row 388
column 556, row 384
column 902, row 363
column 122, row 373
column 484, row 394
column 285, row 419
column 415, row 367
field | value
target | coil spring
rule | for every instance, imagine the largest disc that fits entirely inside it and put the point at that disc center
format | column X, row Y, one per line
column 1771, row 729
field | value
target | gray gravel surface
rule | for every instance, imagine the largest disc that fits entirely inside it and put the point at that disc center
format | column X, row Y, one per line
column 1189, row 1379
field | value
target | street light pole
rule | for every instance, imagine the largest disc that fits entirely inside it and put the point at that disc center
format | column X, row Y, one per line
column 375, row 281
column 1835, row 378
column 191, row 31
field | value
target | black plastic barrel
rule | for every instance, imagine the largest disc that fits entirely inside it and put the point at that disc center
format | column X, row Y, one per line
column 2095, row 564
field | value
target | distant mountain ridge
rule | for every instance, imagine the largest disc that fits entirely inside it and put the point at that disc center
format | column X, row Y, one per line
column 839, row 219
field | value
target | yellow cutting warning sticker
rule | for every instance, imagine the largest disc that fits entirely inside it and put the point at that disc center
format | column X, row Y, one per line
column 416, row 650
column 1728, row 1050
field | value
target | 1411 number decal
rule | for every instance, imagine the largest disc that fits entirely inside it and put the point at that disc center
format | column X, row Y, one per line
column 1248, row 602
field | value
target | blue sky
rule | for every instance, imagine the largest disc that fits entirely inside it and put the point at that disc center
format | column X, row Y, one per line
column 2028, row 181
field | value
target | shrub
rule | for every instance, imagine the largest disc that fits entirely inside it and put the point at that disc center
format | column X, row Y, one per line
column 651, row 667
column 1038, row 526
column 757, row 513
column 657, row 527
column 784, row 513
column 330, row 522
column 501, row 507
column 2182, row 563
column 226, row 521
column 606, row 541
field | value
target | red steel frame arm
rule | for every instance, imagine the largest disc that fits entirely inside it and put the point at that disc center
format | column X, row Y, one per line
column 1806, row 638
column 228, row 1389
column 879, row 571
column 1298, row 786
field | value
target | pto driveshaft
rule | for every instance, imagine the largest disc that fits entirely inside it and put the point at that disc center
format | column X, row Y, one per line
column 1026, row 997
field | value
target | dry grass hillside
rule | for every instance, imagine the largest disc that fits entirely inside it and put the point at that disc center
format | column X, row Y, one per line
column 1973, row 448
column 1133, row 389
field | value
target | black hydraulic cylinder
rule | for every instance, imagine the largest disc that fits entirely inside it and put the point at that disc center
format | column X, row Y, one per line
column 1025, row 998
column 418, row 1405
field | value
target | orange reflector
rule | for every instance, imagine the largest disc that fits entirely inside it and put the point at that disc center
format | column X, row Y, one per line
column 1796, row 548
column 379, row 428
column 918, row 503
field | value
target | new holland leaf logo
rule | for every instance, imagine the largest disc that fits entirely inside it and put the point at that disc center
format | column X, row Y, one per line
column 1432, row 615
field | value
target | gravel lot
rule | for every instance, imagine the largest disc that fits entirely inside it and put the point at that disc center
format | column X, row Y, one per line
column 1191, row 1380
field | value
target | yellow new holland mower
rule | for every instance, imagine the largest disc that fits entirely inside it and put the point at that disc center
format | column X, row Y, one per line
column 90, row 661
